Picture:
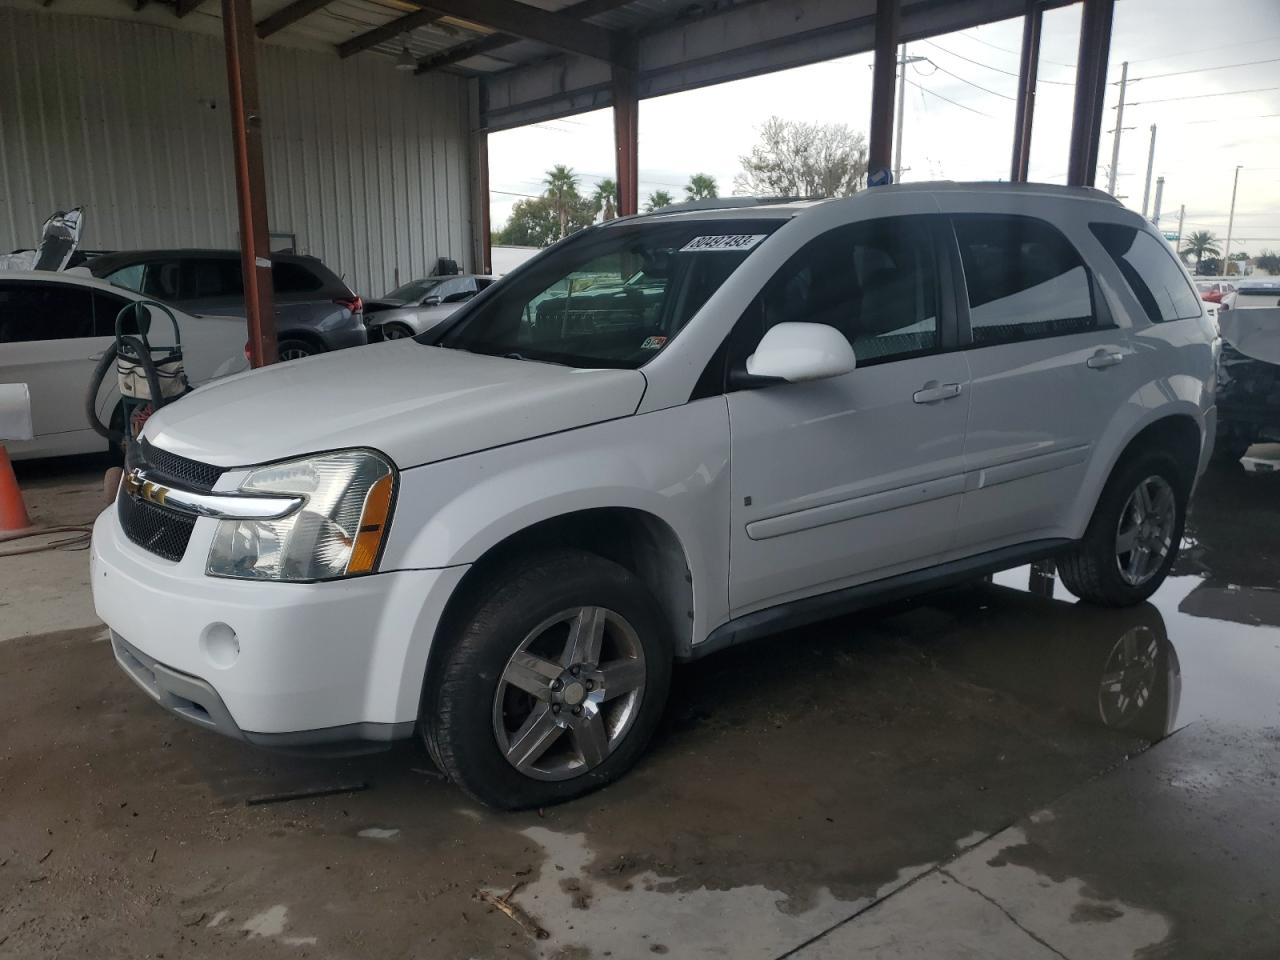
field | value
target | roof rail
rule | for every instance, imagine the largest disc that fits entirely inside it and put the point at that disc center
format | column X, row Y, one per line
column 728, row 203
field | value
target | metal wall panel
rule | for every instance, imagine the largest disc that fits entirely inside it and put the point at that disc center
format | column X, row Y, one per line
column 368, row 167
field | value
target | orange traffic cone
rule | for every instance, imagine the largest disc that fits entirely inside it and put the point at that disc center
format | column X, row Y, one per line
column 13, row 512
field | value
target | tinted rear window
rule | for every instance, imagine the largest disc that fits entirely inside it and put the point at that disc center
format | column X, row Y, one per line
column 1151, row 272
column 293, row 278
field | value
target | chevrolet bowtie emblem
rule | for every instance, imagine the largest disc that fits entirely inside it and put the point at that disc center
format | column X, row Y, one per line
column 139, row 487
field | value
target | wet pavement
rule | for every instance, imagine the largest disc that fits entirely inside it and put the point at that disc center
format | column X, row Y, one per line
column 996, row 771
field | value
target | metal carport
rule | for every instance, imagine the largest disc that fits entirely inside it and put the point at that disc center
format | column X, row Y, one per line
column 521, row 62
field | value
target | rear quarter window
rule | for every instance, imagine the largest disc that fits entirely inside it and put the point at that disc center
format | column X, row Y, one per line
column 289, row 277
column 1149, row 268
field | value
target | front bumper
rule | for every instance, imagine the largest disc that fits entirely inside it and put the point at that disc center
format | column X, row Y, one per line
column 278, row 664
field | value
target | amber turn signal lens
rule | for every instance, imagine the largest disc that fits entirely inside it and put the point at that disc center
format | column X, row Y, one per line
column 373, row 525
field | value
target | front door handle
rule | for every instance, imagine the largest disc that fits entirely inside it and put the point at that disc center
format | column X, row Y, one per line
column 933, row 391
column 1103, row 359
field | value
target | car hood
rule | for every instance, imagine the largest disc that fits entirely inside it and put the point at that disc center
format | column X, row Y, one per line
column 416, row 404
column 1255, row 333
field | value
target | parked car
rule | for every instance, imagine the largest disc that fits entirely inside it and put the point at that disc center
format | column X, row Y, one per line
column 315, row 310
column 1249, row 376
column 420, row 305
column 1257, row 294
column 502, row 536
column 1221, row 292
column 53, row 329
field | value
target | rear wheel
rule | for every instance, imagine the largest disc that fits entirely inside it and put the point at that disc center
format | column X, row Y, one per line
column 553, row 684
column 295, row 349
column 1133, row 538
column 396, row 331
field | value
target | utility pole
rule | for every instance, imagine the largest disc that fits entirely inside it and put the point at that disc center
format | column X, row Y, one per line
column 1182, row 212
column 903, row 60
column 1155, row 214
column 1115, row 139
column 1151, row 160
column 1231, row 221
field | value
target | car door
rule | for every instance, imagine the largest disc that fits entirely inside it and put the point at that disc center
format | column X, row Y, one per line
column 1047, row 371
column 858, row 476
column 47, row 341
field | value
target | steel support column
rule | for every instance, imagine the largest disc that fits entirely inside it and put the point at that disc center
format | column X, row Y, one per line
column 1024, row 109
column 481, row 153
column 880, row 151
column 1091, row 89
column 626, row 140
column 251, row 182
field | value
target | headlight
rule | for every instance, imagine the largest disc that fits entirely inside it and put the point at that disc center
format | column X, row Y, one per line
column 338, row 531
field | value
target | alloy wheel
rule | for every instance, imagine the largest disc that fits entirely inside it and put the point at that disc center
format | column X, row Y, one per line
column 569, row 694
column 1144, row 535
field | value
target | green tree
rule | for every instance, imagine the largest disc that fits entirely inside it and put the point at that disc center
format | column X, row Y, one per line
column 535, row 222
column 657, row 200
column 562, row 191
column 1269, row 261
column 701, row 186
column 1200, row 244
column 606, row 199
column 795, row 159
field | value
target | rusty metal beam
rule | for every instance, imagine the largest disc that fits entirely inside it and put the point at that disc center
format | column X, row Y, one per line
column 251, row 183
column 582, row 10
column 533, row 23
column 288, row 15
column 626, row 140
column 1091, row 88
column 884, row 73
column 481, row 150
column 1024, row 109
column 388, row 31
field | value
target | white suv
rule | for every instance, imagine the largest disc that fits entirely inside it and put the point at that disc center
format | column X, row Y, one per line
column 662, row 436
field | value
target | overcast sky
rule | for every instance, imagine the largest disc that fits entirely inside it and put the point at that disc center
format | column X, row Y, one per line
column 1201, row 134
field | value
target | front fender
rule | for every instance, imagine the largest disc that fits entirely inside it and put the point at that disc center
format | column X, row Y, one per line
column 672, row 464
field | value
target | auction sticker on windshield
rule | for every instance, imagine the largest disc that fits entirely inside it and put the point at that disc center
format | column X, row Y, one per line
column 730, row 241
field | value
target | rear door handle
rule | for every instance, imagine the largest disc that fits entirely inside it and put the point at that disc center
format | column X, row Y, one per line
column 1103, row 359
column 933, row 391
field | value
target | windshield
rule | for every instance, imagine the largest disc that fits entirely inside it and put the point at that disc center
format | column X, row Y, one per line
column 614, row 297
column 414, row 290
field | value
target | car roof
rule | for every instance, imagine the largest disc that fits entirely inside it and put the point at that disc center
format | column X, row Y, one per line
column 122, row 258
column 785, row 208
column 75, row 275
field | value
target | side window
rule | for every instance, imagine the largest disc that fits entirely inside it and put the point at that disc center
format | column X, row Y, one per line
column 161, row 280
column 105, row 309
column 128, row 277
column 1151, row 272
column 44, row 311
column 293, row 278
column 874, row 281
column 213, row 277
column 1025, row 280
column 482, row 282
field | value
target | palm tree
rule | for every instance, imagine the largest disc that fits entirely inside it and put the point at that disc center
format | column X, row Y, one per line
column 562, row 190
column 657, row 200
column 606, row 198
column 1201, row 244
column 701, row 186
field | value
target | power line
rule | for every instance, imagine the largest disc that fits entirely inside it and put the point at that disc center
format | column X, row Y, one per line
column 1192, row 53
column 955, row 103
column 1202, row 96
column 1013, row 53
column 1225, row 66
column 1007, row 73
column 994, row 93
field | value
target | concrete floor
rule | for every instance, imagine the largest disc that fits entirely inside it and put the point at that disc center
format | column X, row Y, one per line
column 993, row 772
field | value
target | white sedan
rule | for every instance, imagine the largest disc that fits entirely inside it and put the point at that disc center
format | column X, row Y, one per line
column 54, row 327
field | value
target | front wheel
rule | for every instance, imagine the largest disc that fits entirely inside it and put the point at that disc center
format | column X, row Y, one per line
column 1132, row 540
column 553, row 683
column 396, row 331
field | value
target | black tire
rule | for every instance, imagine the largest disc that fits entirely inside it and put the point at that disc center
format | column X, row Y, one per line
column 1091, row 570
column 458, row 704
column 396, row 331
column 293, row 349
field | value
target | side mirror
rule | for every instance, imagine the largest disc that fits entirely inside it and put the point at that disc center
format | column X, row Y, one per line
column 431, row 302
column 802, row 351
